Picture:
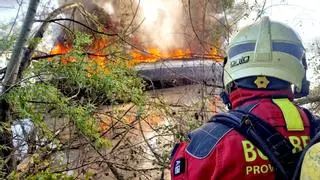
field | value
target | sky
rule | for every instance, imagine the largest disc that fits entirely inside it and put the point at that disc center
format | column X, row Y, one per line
column 8, row 10
column 302, row 15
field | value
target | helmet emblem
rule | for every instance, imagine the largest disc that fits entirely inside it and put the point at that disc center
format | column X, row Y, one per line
column 262, row 82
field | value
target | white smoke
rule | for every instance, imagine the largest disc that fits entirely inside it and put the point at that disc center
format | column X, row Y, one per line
column 160, row 19
column 108, row 7
column 161, row 23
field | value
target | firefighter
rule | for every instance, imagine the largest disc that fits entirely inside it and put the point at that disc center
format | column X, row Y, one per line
column 265, row 70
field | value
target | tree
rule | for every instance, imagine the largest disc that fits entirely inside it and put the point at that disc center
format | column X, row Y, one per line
column 15, row 61
column 11, row 76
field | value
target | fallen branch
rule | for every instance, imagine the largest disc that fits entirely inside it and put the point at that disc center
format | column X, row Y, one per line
column 307, row 100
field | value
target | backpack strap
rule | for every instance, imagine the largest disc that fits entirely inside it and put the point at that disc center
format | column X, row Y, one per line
column 262, row 135
column 314, row 123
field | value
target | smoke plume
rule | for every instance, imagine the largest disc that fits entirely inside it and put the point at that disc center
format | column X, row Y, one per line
column 161, row 24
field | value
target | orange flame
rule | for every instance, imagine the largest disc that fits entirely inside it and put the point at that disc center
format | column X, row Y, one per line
column 62, row 49
column 96, row 52
column 154, row 54
column 98, row 56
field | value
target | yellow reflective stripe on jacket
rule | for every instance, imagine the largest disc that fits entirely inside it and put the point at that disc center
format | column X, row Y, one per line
column 290, row 114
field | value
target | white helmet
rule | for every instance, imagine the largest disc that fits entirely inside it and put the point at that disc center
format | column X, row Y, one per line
column 266, row 48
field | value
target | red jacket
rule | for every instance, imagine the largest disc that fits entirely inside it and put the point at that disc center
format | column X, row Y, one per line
column 234, row 157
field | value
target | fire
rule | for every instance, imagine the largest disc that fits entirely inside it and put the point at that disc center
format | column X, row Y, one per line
column 154, row 54
column 96, row 53
column 62, row 49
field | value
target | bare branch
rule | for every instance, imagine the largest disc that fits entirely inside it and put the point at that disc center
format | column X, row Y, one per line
column 77, row 22
column 307, row 100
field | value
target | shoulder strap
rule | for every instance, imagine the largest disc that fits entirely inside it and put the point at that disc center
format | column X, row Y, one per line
column 314, row 123
column 261, row 134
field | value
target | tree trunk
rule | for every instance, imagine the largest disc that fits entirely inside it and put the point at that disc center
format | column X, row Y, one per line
column 26, row 58
column 10, row 79
column 5, row 142
column 15, row 60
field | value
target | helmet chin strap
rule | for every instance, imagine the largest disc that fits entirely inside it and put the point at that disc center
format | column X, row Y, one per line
column 305, row 83
column 225, row 99
column 224, row 94
column 304, row 89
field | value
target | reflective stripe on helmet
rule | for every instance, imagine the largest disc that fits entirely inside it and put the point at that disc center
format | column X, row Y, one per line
column 292, row 49
column 288, row 48
column 242, row 48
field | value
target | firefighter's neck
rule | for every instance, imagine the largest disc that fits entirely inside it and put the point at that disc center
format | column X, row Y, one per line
column 242, row 96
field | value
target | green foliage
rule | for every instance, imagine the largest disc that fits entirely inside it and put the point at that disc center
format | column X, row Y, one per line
column 227, row 4
column 2, row 164
column 34, row 41
column 45, row 175
column 6, row 42
column 94, row 83
column 81, row 40
column 71, row 87
column 90, row 83
column 34, row 100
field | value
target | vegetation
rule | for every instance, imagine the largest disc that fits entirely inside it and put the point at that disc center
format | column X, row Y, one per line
column 73, row 92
